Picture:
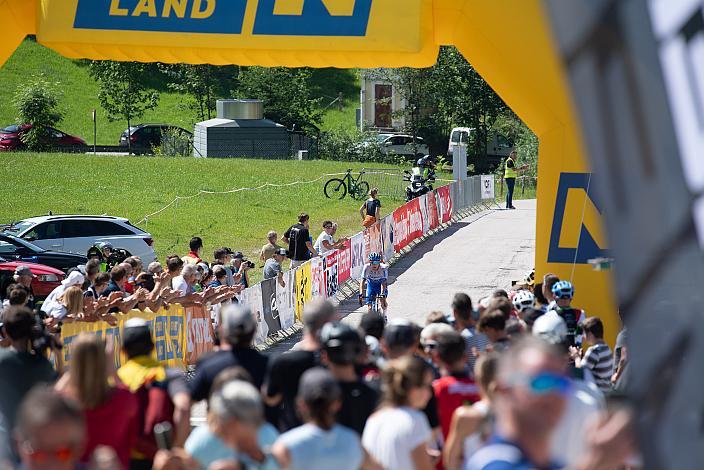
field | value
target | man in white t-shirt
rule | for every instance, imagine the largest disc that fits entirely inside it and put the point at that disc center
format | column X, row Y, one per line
column 326, row 241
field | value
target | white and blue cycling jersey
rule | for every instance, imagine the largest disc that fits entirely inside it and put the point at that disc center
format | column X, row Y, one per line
column 377, row 276
column 375, row 279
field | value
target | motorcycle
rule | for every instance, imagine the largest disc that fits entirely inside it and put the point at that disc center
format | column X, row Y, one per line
column 420, row 182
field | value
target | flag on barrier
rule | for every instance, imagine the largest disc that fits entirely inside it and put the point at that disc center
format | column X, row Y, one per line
column 302, row 289
column 200, row 333
column 432, row 208
column 270, row 309
column 286, row 300
column 344, row 262
column 358, row 258
column 331, row 270
column 444, row 203
column 408, row 224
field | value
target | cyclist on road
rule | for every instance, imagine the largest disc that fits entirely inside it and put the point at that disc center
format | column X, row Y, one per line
column 373, row 282
column 563, row 292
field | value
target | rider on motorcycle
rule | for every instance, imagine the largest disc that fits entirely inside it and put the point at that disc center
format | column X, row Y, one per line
column 373, row 282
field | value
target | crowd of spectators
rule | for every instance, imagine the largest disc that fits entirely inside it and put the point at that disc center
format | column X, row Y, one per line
column 521, row 379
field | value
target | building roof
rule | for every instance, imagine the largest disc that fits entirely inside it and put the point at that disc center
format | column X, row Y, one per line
column 243, row 123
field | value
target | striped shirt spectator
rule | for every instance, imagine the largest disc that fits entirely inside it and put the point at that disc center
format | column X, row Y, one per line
column 598, row 358
column 599, row 361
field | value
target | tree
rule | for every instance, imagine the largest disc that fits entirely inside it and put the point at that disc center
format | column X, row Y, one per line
column 197, row 81
column 37, row 104
column 123, row 93
column 449, row 94
column 286, row 95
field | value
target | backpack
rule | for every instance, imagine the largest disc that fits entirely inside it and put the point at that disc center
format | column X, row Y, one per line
column 571, row 317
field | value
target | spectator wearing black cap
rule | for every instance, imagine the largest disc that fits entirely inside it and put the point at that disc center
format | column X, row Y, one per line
column 300, row 247
column 23, row 276
column 321, row 443
column 273, row 267
column 162, row 392
column 285, row 370
column 20, row 368
column 342, row 346
column 237, row 329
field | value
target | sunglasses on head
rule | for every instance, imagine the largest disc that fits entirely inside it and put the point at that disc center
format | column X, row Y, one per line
column 544, row 383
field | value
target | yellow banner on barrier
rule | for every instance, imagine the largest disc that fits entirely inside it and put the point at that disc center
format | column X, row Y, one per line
column 167, row 327
column 303, row 289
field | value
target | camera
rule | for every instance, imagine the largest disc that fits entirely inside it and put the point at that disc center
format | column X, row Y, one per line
column 42, row 339
column 248, row 264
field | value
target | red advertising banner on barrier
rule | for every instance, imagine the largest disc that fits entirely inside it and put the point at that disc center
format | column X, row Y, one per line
column 444, row 203
column 408, row 224
column 200, row 334
column 433, row 216
column 344, row 262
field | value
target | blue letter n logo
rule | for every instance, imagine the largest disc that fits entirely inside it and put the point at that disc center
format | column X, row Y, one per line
column 315, row 19
column 571, row 205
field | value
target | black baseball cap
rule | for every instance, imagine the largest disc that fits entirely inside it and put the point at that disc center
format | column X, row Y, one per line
column 400, row 334
column 318, row 385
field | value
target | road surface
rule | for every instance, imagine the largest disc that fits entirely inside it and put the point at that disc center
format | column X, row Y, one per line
column 476, row 255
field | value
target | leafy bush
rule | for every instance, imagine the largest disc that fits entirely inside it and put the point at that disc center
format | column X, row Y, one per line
column 37, row 103
column 174, row 143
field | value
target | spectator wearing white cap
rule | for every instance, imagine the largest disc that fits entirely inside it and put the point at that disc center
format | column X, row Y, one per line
column 237, row 329
column 584, row 400
column 73, row 279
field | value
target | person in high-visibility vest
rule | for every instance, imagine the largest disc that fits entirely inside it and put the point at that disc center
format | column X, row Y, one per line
column 510, row 175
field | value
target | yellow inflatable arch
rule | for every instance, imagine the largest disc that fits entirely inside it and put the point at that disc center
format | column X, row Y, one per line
column 508, row 41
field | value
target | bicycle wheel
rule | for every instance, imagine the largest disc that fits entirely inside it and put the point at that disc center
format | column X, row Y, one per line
column 361, row 190
column 335, row 189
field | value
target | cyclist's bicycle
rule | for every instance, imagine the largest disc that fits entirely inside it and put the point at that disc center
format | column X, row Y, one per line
column 337, row 188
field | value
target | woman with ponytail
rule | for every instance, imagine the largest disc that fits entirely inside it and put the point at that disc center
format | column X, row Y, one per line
column 397, row 435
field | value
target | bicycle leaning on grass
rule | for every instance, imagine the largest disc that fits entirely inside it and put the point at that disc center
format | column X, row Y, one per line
column 337, row 188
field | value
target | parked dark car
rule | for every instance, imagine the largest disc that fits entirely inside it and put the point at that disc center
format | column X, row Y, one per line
column 16, row 249
column 10, row 139
column 145, row 137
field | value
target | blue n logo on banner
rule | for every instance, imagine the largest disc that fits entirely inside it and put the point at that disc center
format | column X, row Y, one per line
column 587, row 248
column 314, row 20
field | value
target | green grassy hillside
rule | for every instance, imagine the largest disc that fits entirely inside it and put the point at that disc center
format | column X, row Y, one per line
column 80, row 94
column 133, row 187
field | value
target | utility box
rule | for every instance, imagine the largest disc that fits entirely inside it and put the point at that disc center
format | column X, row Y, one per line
column 240, row 131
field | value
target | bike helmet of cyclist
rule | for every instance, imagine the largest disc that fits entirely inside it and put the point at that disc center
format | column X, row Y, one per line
column 530, row 278
column 374, row 257
column 523, row 300
column 563, row 290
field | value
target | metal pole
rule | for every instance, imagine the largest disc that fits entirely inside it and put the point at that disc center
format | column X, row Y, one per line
column 95, row 132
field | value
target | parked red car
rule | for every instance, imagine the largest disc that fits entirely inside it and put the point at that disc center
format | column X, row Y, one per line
column 10, row 139
column 47, row 279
